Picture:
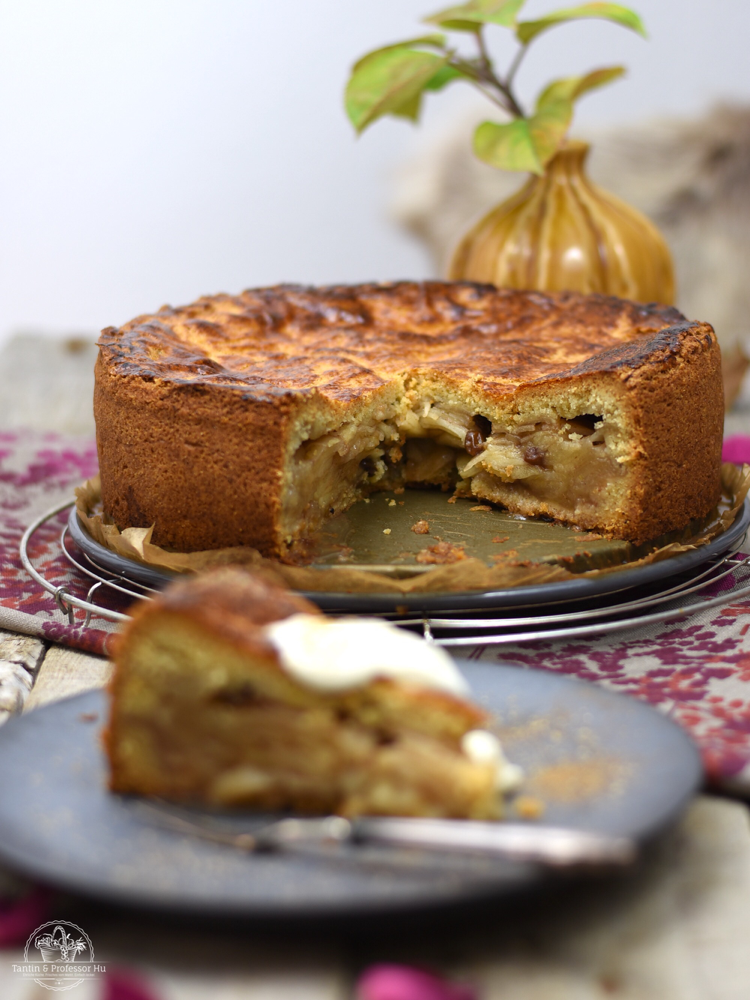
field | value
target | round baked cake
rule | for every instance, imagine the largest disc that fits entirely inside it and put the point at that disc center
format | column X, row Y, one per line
column 251, row 419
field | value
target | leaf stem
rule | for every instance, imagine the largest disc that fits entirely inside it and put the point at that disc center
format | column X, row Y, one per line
column 485, row 87
column 517, row 60
column 487, row 74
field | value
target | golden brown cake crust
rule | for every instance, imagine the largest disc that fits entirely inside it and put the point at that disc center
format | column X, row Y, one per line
column 195, row 406
column 231, row 602
column 345, row 340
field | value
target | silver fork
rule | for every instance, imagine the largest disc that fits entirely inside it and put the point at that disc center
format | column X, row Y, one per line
column 558, row 847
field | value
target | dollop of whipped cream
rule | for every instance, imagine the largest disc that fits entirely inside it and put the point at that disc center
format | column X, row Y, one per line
column 337, row 654
column 483, row 747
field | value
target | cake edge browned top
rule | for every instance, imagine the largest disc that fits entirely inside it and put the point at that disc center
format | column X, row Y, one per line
column 227, row 600
column 341, row 340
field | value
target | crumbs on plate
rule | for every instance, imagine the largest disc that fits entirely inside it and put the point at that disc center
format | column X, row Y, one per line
column 528, row 807
column 441, row 554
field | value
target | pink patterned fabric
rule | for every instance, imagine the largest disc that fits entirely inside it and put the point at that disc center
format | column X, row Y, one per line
column 696, row 670
column 404, row 982
column 37, row 471
column 19, row 917
column 736, row 449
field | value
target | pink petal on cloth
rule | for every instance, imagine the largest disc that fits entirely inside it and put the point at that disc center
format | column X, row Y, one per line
column 120, row 984
column 21, row 917
column 403, row 982
column 736, row 449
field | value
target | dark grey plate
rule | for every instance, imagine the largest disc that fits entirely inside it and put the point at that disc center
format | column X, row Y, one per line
column 497, row 521
column 600, row 762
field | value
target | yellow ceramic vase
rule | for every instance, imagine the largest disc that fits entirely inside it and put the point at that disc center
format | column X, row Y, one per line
column 562, row 233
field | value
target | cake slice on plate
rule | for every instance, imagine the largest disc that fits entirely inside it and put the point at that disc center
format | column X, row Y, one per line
column 230, row 691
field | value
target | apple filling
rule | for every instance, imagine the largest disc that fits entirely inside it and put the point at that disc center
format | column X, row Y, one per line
column 329, row 473
column 565, row 466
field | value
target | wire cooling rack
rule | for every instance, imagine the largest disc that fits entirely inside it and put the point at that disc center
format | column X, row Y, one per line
column 722, row 580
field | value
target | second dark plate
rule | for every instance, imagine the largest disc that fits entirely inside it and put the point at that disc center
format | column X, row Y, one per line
column 599, row 761
column 560, row 592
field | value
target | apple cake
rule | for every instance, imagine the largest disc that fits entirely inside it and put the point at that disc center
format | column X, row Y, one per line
column 250, row 420
column 230, row 691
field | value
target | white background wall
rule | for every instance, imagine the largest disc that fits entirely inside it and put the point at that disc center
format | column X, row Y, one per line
column 155, row 150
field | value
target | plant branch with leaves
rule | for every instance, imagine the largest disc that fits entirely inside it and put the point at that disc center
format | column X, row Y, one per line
column 393, row 80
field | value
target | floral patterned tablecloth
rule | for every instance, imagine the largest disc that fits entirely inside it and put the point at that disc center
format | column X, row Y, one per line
column 38, row 471
column 696, row 670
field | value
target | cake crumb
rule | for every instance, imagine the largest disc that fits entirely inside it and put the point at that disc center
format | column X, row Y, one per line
column 481, row 506
column 441, row 554
column 386, row 531
column 529, row 807
column 391, row 503
column 499, row 539
column 509, row 554
column 366, row 500
column 401, row 503
column 580, row 780
column 452, row 499
column 421, row 528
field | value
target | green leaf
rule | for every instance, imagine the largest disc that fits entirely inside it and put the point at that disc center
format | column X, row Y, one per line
column 507, row 147
column 443, row 77
column 526, row 143
column 530, row 143
column 472, row 15
column 387, row 83
column 548, row 126
column 472, row 26
column 410, row 109
column 434, row 41
column 573, row 87
column 526, row 30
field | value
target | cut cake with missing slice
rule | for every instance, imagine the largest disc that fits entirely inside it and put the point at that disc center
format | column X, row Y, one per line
column 250, row 420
